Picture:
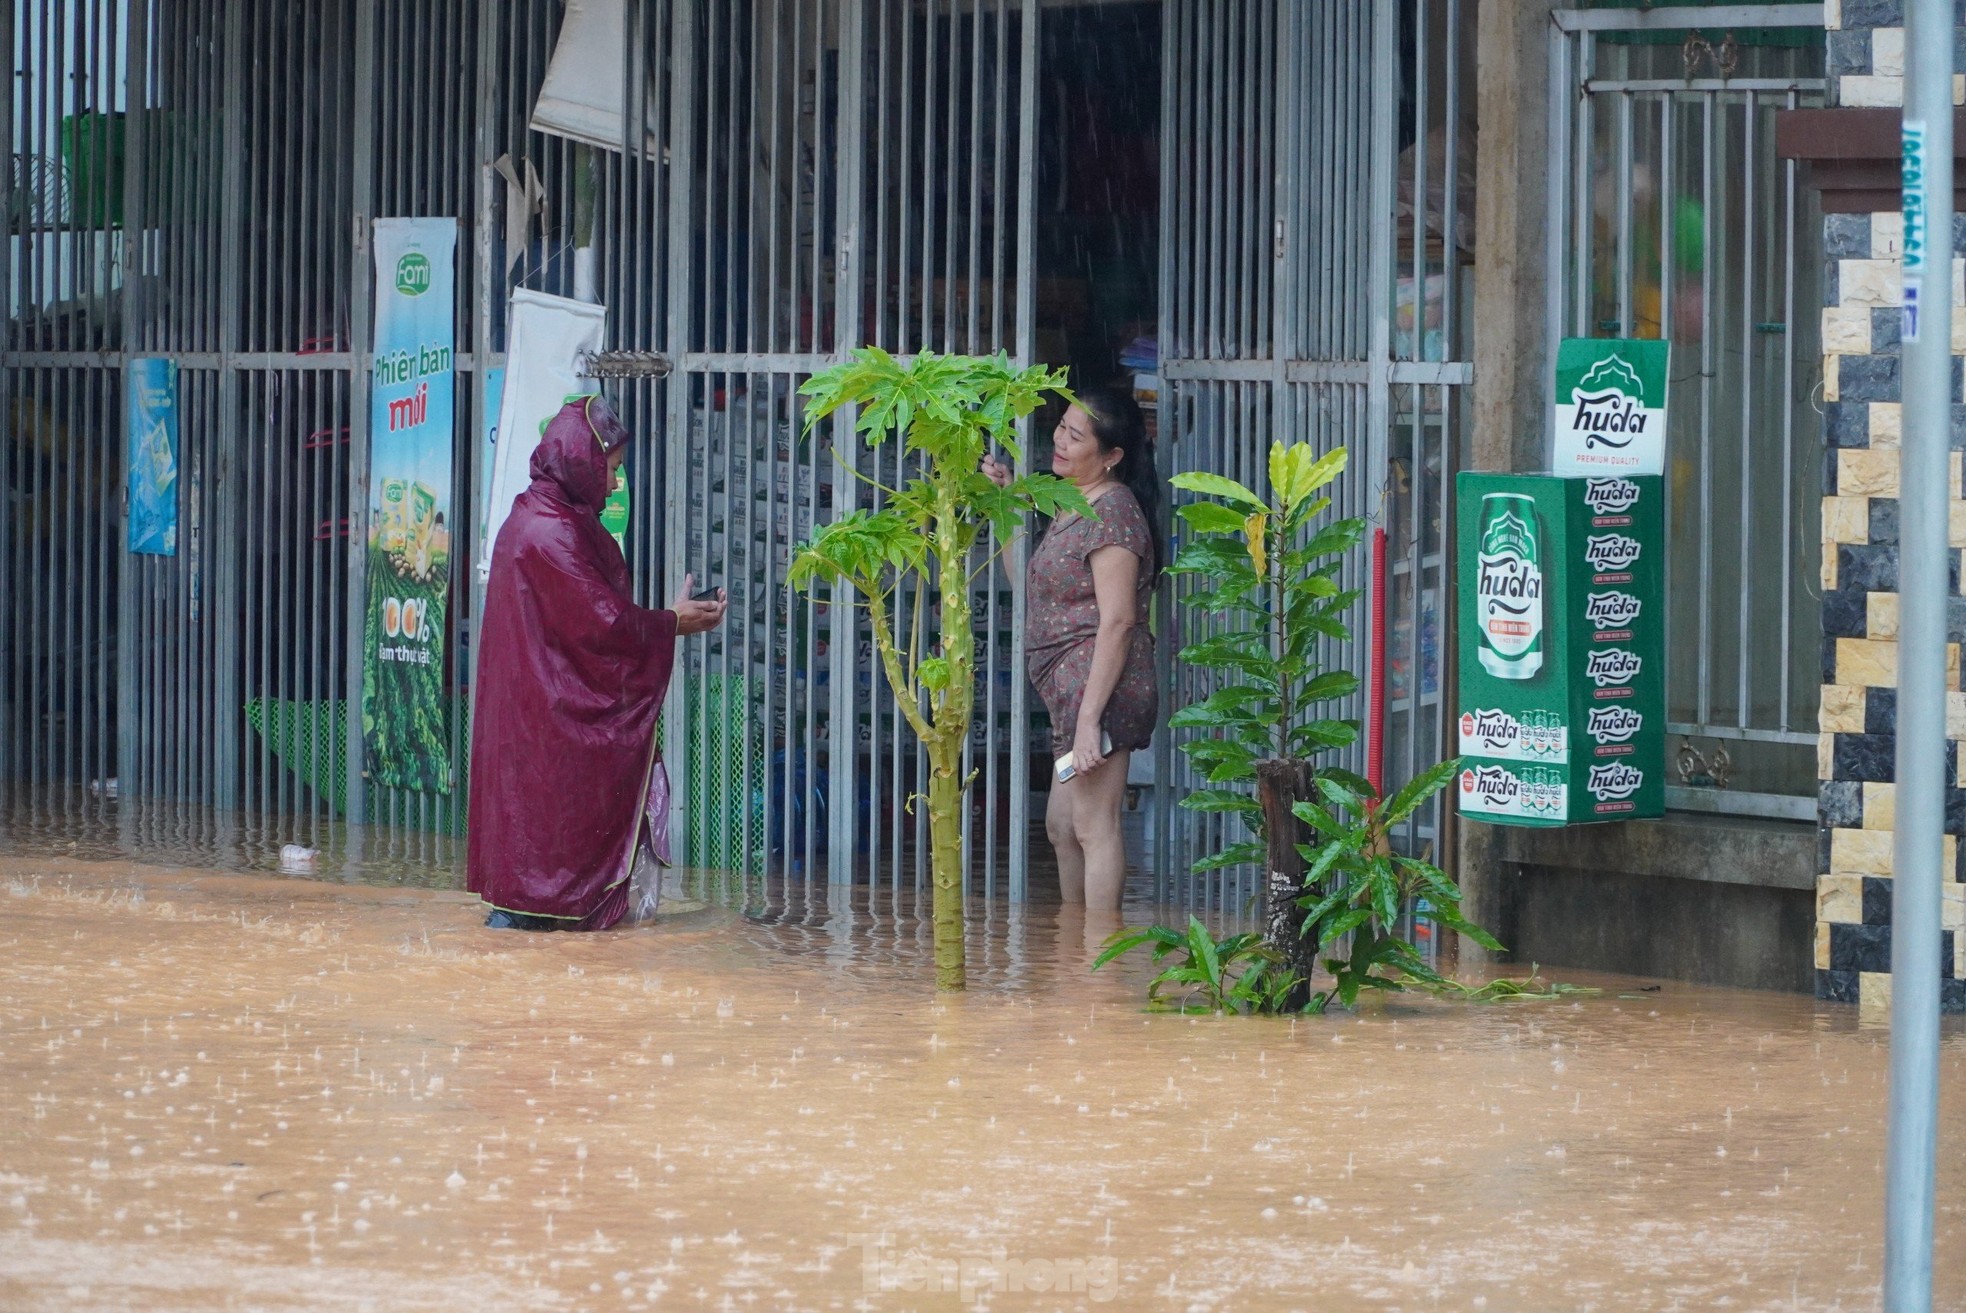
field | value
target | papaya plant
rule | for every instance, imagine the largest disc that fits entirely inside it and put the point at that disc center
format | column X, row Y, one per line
column 947, row 411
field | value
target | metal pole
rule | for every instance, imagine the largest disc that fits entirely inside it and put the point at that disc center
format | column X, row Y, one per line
column 229, row 471
column 13, row 760
column 1025, row 348
column 848, row 330
column 1379, row 287
column 361, row 303
column 1912, row 1148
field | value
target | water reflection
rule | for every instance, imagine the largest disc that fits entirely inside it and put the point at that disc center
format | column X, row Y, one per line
column 72, row 822
column 856, row 928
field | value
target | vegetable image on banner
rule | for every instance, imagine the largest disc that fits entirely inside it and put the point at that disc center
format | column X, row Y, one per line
column 405, row 713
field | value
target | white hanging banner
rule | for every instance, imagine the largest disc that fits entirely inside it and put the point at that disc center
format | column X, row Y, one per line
column 582, row 94
column 543, row 345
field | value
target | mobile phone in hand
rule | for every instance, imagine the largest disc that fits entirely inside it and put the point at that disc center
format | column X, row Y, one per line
column 707, row 595
column 1065, row 766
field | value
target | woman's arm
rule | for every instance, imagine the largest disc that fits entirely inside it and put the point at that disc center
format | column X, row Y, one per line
column 1115, row 572
column 1001, row 475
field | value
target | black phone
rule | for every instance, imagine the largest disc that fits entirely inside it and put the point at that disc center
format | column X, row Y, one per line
column 707, row 595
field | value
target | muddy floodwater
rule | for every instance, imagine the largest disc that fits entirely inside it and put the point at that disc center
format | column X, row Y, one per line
column 233, row 1091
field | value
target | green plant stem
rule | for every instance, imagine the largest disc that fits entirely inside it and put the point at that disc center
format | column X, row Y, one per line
column 945, row 745
column 905, row 696
column 1280, row 590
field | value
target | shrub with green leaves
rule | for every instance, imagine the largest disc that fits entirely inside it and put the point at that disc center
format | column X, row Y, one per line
column 947, row 411
column 1356, row 887
column 1269, row 571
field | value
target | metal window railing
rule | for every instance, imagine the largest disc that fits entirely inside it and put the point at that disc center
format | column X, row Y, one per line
column 1675, row 218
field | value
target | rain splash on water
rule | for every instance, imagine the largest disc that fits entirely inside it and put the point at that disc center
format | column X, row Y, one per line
column 232, row 1089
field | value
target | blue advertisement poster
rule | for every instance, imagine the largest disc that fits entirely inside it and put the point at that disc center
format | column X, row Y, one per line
column 411, row 515
column 151, row 393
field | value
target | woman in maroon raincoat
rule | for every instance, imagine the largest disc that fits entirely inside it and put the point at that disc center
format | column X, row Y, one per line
column 566, row 783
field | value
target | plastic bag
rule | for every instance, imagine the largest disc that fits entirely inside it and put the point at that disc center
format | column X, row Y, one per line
column 651, row 851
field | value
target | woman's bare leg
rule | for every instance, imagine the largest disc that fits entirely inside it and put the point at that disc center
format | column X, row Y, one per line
column 1059, row 826
column 1096, row 800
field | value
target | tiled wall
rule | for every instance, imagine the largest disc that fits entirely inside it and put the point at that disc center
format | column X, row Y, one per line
column 1866, row 52
column 1862, row 422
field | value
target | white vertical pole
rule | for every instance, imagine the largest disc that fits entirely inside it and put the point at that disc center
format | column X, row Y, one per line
column 1924, row 494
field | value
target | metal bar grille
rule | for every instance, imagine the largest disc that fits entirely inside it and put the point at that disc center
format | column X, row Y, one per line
column 822, row 172
column 1316, row 248
column 813, row 229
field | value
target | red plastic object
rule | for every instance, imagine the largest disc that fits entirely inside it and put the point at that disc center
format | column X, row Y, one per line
column 1375, row 726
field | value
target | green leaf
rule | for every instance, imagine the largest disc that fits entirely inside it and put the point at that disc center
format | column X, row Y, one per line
column 1236, row 854
column 1213, row 754
column 1354, row 786
column 933, row 673
column 1222, row 800
column 1422, row 787
column 1322, row 734
column 1215, row 485
column 1241, row 650
column 1385, row 894
column 1319, row 819
column 1288, row 466
column 1334, row 539
column 1201, row 945
column 1203, row 716
column 1296, row 471
column 1210, row 517
column 1327, row 468
column 1317, row 908
column 1332, row 684
column 1343, row 924
column 1217, row 558
column 1125, row 941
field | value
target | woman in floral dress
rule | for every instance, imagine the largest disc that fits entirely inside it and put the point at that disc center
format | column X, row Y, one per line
column 1088, row 649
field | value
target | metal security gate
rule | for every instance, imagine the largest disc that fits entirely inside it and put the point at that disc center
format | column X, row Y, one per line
column 1316, row 276
column 772, row 181
column 1677, row 220
column 856, row 171
column 196, row 182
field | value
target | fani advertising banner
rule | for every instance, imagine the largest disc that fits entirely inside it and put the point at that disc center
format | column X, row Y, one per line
column 1562, row 672
column 405, row 711
column 1610, row 407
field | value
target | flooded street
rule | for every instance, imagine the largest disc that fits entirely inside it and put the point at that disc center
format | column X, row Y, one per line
column 242, row 1091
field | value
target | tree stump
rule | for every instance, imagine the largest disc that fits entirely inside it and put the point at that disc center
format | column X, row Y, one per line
column 1279, row 785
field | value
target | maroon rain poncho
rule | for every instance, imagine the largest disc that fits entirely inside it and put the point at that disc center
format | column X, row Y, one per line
column 571, row 677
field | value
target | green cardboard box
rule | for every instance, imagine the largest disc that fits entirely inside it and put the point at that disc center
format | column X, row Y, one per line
column 1562, row 710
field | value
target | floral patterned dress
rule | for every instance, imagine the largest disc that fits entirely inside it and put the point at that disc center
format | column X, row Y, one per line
column 1062, row 620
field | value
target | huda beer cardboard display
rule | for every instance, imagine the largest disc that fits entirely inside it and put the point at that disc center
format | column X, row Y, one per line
column 1562, row 667
column 1609, row 409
